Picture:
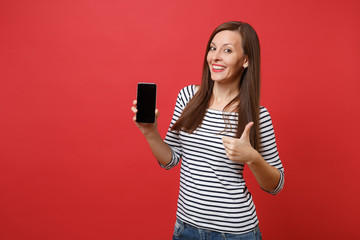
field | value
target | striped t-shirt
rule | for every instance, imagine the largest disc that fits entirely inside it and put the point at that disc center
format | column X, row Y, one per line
column 212, row 193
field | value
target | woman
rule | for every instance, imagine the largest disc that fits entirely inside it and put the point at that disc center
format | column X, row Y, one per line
column 216, row 129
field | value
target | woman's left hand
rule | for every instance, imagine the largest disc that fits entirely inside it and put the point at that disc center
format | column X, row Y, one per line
column 240, row 149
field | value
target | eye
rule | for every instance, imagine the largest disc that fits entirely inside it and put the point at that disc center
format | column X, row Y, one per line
column 212, row 48
column 227, row 50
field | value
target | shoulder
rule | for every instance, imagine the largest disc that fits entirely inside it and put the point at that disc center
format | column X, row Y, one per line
column 187, row 93
column 263, row 111
column 264, row 115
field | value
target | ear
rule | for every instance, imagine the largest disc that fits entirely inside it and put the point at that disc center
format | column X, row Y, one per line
column 246, row 62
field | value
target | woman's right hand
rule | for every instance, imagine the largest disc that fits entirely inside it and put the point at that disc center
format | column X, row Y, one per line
column 145, row 128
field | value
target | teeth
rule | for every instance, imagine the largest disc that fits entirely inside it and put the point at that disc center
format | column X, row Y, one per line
column 218, row 67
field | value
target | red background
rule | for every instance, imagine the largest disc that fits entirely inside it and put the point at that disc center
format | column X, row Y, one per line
column 74, row 166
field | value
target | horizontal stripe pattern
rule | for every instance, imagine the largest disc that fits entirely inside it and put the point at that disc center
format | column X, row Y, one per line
column 213, row 194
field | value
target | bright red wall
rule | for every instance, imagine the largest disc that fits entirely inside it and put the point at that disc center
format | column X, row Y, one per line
column 74, row 166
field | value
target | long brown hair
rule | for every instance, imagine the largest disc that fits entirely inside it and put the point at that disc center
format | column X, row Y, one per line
column 248, row 99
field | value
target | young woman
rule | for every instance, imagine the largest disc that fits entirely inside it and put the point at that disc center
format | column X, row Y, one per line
column 216, row 129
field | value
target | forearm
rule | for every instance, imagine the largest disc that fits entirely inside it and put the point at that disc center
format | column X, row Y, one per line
column 159, row 148
column 267, row 176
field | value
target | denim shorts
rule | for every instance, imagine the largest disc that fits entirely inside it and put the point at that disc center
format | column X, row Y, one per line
column 184, row 231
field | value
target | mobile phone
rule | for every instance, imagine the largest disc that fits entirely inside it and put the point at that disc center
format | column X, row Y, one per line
column 146, row 102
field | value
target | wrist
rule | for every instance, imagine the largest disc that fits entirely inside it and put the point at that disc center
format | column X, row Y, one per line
column 254, row 158
column 151, row 133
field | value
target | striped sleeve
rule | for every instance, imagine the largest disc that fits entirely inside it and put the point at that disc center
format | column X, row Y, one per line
column 172, row 137
column 268, row 148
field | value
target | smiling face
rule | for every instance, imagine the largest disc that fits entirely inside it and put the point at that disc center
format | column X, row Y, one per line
column 226, row 57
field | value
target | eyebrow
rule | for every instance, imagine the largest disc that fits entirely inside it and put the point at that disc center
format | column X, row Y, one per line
column 223, row 44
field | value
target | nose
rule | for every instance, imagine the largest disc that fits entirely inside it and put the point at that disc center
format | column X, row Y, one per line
column 215, row 55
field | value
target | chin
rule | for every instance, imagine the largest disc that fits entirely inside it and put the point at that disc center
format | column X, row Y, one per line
column 217, row 78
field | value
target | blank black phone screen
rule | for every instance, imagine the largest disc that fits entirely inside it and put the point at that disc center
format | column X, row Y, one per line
column 146, row 102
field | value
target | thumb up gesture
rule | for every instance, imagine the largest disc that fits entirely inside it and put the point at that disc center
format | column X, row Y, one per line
column 239, row 149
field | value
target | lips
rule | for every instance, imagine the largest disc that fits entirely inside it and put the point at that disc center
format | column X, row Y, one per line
column 218, row 68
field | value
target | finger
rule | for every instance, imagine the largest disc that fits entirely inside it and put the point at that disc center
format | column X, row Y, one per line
column 226, row 147
column 157, row 113
column 134, row 109
column 246, row 132
column 228, row 153
column 135, row 102
column 226, row 139
column 227, row 142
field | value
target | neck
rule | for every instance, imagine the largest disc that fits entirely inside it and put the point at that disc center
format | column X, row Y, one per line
column 222, row 94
